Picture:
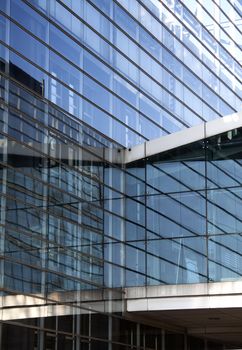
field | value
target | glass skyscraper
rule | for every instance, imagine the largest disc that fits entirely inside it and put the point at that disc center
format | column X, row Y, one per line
column 87, row 218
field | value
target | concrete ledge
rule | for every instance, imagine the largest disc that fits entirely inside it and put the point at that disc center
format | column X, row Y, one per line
column 178, row 290
column 181, row 297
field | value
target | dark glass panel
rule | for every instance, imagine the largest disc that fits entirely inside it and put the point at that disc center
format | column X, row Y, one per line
column 99, row 326
column 123, row 331
column 65, row 324
column 50, row 322
column 150, row 337
column 15, row 337
column 22, row 278
column 195, row 343
column 214, row 346
column 3, row 52
column 174, row 341
column 27, row 74
column 22, row 247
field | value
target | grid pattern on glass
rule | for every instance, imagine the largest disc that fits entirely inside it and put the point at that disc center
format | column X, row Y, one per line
column 165, row 99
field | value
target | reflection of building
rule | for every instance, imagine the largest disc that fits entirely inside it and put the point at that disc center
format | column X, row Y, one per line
column 108, row 240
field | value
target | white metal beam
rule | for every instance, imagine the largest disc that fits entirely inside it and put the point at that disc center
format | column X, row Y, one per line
column 183, row 137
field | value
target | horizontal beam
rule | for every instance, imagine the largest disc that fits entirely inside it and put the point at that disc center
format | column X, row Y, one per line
column 183, row 137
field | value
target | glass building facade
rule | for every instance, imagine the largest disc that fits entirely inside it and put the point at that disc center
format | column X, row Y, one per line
column 80, row 81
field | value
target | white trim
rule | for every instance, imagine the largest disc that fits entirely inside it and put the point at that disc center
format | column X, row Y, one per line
column 214, row 295
column 183, row 137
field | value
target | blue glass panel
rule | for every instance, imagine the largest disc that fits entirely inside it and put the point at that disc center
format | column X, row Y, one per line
column 4, row 6
column 97, row 44
column 135, row 258
column 127, row 68
column 149, row 129
column 29, row 19
column 177, row 260
column 97, row 94
column 42, row 5
column 105, row 5
column 225, row 210
column 127, row 46
column 150, row 109
column 225, row 260
column 68, row 48
column 187, row 210
column 125, row 90
column 96, row 20
column 65, row 98
column 4, row 23
column 95, row 117
column 97, row 69
column 65, row 72
column 66, row 20
column 125, row 22
column 150, row 44
column 76, row 6
column 135, row 211
column 27, row 45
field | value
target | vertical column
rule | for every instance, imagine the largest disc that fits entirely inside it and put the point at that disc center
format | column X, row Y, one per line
column 138, row 335
column 163, row 339
column 110, row 332
column 185, row 342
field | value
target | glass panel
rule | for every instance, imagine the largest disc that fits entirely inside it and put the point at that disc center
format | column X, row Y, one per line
column 225, row 258
column 28, row 18
column 97, row 94
column 27, row 74
column 66, row 47
column 24, row 43
column 176, row 261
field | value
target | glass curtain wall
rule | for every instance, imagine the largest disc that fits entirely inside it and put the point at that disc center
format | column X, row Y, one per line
column 72, row 233
column 188, row 203
column 134, row 70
